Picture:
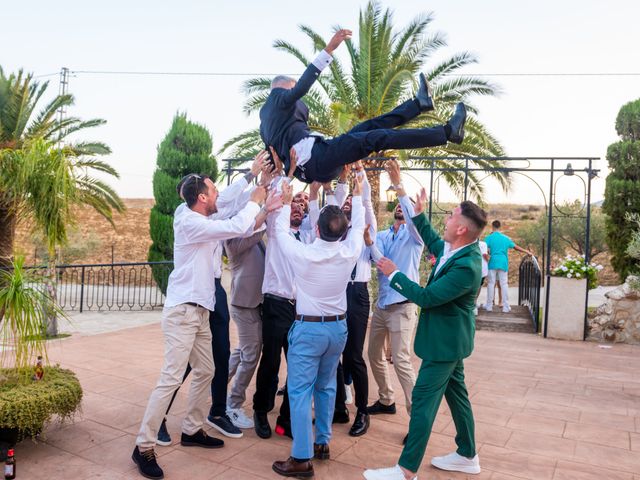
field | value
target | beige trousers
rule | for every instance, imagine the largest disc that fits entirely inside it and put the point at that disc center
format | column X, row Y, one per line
column 187, row 339
column 398, row 321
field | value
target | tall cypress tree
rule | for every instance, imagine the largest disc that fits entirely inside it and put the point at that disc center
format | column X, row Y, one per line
column 185, row 149
column 622, row 193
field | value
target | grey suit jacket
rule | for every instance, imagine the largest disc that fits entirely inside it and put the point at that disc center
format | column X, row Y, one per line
column 246, row 262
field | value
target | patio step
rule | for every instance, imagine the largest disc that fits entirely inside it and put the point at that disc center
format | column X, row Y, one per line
column 517, row 320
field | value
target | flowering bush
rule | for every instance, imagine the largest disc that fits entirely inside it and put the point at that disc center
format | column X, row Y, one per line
column 575, row 267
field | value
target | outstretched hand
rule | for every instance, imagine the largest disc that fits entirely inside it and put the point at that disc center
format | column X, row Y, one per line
column 357, row 186
column 287, row 192
column 338, row 37
column 386, row 266
column 293, row 157
column 421, row 200
column 258, row 195
column 260, row 161
column 393, row 169
column 314, row 188
column 273, row 201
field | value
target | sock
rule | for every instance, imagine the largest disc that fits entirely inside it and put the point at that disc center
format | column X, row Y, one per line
column 300, row 460
column 447, row 130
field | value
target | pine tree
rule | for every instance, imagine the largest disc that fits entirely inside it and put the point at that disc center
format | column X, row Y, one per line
column 185, row 149
column 622, row 193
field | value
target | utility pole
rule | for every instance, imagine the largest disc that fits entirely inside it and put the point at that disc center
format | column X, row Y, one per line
column 63, row 89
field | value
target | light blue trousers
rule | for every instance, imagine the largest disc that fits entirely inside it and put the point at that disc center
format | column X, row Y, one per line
column 312, row 361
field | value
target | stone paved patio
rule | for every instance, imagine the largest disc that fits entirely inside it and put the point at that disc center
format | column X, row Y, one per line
column 544, row 410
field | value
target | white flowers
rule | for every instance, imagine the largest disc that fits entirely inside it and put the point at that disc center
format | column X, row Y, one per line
column 568, row 275
column 576, row 267
column 564, row 268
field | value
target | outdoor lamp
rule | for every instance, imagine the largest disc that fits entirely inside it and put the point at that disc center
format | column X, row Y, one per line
column 569, row 170
column 391, row 194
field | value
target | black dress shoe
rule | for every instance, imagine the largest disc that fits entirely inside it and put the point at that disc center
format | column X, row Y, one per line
column 293, row 468
column 340, row 416
column 378, row 407
column 283, row 427
column 360, row 424
column 261, row 425
column 321, row 451
column 423, row 95
column 200, row 439
column 456, row 122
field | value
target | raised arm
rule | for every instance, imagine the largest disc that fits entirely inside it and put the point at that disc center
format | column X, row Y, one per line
column 288, row 97
column 239, row 245
column 289, row 244
column 355, row 239
column 236, row 195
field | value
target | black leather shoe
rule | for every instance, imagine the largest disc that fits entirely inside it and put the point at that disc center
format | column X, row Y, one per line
column 423, row 95
column 200, row 439
column 292, row 468
column 283, row 427
column 378, row 407
column 456, row 122
column 147, row 464
column 340, row 416
column 261, row 425
column 360, row 424
column 321, row 451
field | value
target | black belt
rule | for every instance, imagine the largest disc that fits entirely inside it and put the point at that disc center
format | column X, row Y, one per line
column 193, row 304
column 325, row 318
column 399, row 303
column 278, row 298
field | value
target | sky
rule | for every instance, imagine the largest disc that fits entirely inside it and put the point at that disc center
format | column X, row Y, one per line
column 535, row 116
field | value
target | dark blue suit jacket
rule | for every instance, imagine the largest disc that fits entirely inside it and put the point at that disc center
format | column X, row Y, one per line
column 284, row 117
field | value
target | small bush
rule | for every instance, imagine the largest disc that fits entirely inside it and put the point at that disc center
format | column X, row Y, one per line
column 575, row 267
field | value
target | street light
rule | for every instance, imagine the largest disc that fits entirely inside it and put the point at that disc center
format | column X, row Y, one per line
column 391, row 194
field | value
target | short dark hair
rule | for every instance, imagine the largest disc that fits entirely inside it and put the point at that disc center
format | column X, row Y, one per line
column 190, row 186
column 474, row 213
column 332, row 223
column 496, row 224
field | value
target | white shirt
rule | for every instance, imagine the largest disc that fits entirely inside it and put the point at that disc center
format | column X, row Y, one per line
column 278, row 275
column 304, row 146
column 193, row 277
column 322, row 269
column 363, row 265
column 484, row 250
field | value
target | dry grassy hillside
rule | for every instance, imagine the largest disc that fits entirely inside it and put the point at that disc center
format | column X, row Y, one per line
column 96, row 238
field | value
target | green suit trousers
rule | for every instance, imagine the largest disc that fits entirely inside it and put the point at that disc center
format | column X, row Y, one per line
column 436, row 379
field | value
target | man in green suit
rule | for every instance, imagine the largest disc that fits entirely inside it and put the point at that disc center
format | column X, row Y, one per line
column 443, row 339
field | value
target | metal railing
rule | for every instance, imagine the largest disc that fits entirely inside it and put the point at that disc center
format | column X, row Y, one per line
column 529, row 287
column 110, row 286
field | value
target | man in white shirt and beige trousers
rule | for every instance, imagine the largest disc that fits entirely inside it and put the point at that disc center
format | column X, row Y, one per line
column 318, row 335
column 185, row 317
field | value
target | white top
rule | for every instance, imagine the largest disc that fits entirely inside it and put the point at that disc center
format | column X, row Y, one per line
column 194, row 258
column 363, row 265
column 278, row 275
column 322, row 269
column 484, row 250
column 304, row 146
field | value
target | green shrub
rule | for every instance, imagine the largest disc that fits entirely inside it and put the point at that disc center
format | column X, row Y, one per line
column 575, row 267
column 622, row 192
column 27, row 407
column 185, row 149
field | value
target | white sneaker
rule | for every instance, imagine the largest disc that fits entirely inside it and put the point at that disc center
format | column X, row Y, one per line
column 488, row 308
column 348, row 395
column 239, row 418
column 506, row 309
column 393, row 473
column 457, row 463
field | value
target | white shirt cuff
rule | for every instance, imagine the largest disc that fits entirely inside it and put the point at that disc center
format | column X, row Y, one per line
column 392, row 274
column 323, row 60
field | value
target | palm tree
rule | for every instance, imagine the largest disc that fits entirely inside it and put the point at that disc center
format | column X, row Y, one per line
column 44, row 175
column 383, row 70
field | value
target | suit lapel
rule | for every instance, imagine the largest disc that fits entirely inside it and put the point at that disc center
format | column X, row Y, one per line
column 448, row 262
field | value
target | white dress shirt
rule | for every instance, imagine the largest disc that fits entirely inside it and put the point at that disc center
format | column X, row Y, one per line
column 194, row 258
column 322, row 269
column 304, row 146
column 363, row 265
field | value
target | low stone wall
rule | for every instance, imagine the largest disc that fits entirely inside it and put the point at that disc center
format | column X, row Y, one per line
column 618, row 319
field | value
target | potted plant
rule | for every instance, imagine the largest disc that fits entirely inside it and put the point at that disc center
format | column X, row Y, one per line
column 31, row 390
column 566, row 293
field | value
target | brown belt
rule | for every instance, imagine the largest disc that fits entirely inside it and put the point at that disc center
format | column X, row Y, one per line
column 326, row 318
column 193, row 304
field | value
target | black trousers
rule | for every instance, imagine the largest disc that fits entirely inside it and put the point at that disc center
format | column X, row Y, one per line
column 352, row 359
column 277, row 318
column 219, row 325
column 328, row 156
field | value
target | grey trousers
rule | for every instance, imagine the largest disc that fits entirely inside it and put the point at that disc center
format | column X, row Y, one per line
column 244, row 359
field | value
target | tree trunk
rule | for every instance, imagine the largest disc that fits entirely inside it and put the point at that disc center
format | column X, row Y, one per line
column 374, row 180
column 7, row 235
column 52, row 283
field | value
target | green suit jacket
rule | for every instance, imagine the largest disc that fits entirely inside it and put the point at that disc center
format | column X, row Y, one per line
column 446, row 326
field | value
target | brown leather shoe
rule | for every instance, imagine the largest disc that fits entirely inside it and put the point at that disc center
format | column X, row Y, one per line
column 291, row 468
column 321, row 451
